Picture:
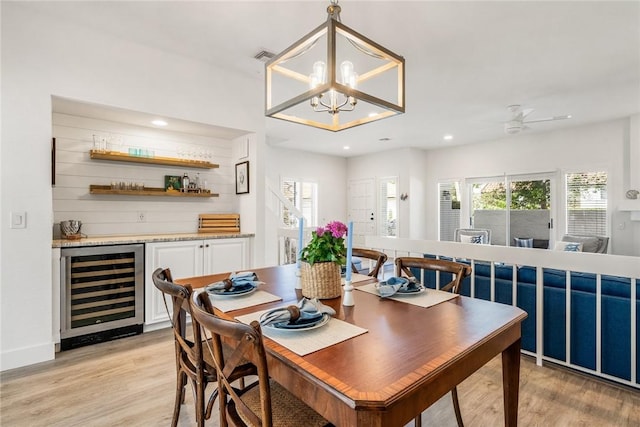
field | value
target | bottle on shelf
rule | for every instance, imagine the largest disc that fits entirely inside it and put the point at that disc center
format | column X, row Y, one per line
column 198, row 186
column 185, row 183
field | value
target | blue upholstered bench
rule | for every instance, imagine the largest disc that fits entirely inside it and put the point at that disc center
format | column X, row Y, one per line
column 616, row 313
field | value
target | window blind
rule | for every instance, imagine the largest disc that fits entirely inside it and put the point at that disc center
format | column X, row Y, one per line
column 449, row 212
column 586, row 203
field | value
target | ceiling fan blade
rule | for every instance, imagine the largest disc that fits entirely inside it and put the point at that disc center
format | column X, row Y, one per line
column 548, row 119
column 524, row 113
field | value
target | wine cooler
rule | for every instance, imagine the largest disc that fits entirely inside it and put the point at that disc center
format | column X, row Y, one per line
column 102, row 294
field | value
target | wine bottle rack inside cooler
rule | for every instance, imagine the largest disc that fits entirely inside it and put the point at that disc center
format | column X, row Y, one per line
column 102, row 294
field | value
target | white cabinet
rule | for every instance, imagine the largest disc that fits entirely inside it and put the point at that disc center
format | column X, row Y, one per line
column 188, row 258
column 223, row 255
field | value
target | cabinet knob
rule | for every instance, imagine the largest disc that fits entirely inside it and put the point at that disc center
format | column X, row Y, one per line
column 201, row 246
column 206, row 246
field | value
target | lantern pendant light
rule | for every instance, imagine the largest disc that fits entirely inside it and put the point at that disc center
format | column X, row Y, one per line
column 334, row 79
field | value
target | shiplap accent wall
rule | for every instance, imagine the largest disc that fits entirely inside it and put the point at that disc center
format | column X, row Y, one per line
column 119, row 214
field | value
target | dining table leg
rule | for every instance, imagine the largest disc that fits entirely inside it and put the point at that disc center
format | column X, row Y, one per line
column 511, row 382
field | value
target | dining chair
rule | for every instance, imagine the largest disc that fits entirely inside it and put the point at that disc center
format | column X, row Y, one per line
column 459, row 271
column 191, row 362
column 379, row 257
column 263, row 403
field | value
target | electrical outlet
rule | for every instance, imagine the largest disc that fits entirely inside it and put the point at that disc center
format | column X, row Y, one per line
column 142, row 217
column 18, row 220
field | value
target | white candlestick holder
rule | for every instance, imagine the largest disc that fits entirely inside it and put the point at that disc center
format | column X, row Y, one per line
column 347, row 298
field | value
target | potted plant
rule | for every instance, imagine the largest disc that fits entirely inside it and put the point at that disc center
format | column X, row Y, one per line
column 321, row 261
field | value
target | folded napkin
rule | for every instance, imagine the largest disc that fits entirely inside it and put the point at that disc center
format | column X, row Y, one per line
column 398, row 284
column 305, row 311
column 236, row 282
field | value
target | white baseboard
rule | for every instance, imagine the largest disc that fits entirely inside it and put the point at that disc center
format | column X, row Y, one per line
column 26, row 356
column 156, row 326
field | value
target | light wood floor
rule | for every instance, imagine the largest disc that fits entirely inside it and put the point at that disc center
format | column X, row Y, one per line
column 130, row 382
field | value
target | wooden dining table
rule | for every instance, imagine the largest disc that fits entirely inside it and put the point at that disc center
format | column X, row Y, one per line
column 409, row 357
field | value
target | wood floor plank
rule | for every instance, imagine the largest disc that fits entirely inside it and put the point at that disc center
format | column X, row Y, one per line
column 130, row 382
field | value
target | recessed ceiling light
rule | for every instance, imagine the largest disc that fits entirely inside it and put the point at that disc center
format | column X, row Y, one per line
column 373, row 114
column 159, row 123
column 346, row 147
column 447, row 137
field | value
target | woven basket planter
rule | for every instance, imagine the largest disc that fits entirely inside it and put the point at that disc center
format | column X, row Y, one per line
column 321, row 280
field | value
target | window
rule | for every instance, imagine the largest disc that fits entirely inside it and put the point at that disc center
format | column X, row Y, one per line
column 304, row 196
column 388, row 224
column 586, row 203
column 449, row 213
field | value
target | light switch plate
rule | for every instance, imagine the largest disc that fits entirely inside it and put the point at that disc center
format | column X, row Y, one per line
column 18, row 220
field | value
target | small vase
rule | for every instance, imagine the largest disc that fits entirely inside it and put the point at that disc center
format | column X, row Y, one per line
column 321, row 280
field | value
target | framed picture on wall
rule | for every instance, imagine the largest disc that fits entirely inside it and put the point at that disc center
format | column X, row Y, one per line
column 242, row 177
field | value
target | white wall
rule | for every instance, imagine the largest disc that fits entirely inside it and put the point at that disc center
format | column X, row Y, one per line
column 42, row 57
column 328, row 171
column 602, row 146
column 593, row 147
column 108, row 214
column 408, row 165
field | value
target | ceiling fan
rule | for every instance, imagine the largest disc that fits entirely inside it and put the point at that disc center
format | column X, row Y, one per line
column 518, row 123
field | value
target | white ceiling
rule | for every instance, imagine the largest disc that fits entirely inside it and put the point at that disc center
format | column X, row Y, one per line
column 465, row 61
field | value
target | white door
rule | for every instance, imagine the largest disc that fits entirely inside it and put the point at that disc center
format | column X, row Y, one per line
column 184, row 258
column 362, row 209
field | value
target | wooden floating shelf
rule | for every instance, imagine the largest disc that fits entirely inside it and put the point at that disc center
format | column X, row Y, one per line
column 167, row 161
column 146, row 191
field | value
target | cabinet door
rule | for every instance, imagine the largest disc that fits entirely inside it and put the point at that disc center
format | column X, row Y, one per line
column 184, row 258
column 222, row 255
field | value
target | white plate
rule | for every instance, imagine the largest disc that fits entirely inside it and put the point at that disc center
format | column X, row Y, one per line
column 324, row 321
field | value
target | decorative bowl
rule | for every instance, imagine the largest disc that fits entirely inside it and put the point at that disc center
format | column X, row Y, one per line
column 70, row 227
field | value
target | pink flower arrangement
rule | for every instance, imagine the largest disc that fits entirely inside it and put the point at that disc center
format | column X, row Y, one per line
column 327, row 244
column 336, row 228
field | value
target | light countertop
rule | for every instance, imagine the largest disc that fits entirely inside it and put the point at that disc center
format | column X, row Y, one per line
column 143, row 238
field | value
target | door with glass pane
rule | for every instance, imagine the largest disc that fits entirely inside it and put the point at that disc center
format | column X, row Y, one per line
column 388, row 205
column 489, row 208
column 530, row 212
column 304, row 197
column 517, row 209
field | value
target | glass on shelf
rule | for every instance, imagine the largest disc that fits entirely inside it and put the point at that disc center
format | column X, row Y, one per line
column 114, row 143
column 100, row 143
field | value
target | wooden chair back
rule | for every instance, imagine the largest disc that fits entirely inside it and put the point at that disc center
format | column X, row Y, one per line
column 185, row 350
column 458, row 269
column 247, row 344
column 379, row 257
